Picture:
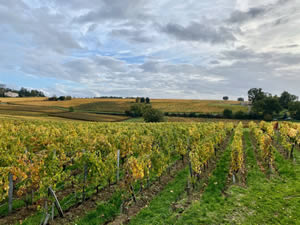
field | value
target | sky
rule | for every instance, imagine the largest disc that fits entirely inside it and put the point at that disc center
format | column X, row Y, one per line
column 188, row 49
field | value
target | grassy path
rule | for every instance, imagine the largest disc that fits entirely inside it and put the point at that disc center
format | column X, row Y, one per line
column 211, row 198
column 159, row 208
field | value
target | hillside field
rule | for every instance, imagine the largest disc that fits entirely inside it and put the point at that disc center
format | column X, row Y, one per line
column 95, row 109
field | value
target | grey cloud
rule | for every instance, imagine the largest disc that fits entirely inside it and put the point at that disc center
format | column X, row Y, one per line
column 44, row 28
column 281, row 21
column 132, row 35
column 288, row 46
column 276, row 59
column 240, row 17
column 214, row 62
column 200, row 33
column 115, row 10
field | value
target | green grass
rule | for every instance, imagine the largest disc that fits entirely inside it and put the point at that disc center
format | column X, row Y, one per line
column 159, row 209
column 18, row 203
column 105, row 211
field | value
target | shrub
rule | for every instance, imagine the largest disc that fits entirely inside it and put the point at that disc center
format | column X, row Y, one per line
column 192, row 114
column 268, row 117
column 137, row 110
column 153, row 115
column 240, row 115
column 297, row 115
column 227, row 113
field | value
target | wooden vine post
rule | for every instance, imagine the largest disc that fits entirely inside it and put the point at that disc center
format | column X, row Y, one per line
column 56, row 202
column 10, row 192
column 85, row 173
column 190, row 168
column 118, row 166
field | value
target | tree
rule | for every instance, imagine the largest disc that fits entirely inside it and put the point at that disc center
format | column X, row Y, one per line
column 225, row 98
column 54, row 98
column 256, row 94
column 240, row 99
column 227, row 113
column 142, row 100
column 2, row 90
column 26, row 93
column 268, row 105
column 287, row 98
column 153, row 115
column 147, row 100
column 294, row 110
column 137, row 110
column 62, row 98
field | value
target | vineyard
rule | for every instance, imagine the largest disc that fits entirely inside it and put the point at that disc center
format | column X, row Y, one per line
column 166, row 173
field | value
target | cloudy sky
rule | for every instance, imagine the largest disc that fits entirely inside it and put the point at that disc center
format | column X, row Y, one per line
column 158, row 48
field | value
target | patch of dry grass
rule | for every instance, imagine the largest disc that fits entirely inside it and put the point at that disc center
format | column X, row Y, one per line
column 203, row 106
column 66, row 104
column 23, row 100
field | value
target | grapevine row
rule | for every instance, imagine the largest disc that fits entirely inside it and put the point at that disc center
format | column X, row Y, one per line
column 237, row 155
column 40, row 155
column 263, row 137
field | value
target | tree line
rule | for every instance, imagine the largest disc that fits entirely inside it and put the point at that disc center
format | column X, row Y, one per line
column 266, row 106
column 23, row 92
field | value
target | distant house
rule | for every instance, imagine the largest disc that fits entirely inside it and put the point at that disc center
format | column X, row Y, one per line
column 11, row 94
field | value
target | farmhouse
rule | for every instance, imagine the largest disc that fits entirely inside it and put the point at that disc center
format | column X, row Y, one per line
column 11, row 94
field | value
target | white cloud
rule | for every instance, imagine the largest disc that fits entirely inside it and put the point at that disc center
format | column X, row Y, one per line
column 158, row 48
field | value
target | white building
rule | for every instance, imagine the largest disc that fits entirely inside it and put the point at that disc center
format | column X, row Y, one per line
column 11, row 94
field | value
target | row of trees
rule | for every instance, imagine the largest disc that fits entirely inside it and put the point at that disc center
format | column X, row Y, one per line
column 142, row 100
column 61, row 98
column 226, row 98
column 23, row 92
